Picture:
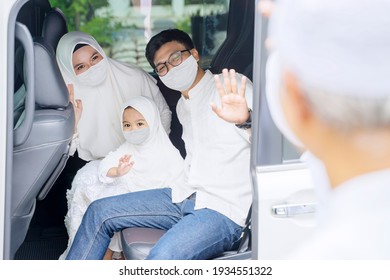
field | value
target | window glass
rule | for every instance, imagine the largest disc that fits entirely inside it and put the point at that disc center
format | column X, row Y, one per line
column 290, row 153
column 123, row 27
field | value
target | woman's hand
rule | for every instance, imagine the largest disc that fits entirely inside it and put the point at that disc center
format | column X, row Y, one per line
column 77, row 105
column 234, row 108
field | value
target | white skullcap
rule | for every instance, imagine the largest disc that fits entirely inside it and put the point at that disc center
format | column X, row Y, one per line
column 337, row 46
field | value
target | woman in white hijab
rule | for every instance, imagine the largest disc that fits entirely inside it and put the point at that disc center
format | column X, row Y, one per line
column 100, row 86
column 147, row 160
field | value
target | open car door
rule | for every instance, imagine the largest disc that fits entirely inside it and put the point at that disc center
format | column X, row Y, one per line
column 283, row 213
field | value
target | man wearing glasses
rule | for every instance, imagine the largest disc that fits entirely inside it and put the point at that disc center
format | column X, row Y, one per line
column 204, row 214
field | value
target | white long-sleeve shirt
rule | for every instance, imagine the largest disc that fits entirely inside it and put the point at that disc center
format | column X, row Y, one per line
column 218, row 153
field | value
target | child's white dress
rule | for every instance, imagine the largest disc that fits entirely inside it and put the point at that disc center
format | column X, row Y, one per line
column 157, row 164
column 86, row 188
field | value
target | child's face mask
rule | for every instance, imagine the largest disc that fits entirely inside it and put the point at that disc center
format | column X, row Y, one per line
column 138, row 136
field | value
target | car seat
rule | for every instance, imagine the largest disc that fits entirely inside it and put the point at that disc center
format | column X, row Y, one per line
column 54, row 27
column 137, row 242
column 42, row 136
column 236, row 52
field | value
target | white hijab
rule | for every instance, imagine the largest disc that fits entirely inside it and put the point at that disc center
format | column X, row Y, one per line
column 98, row 128
column 157, row 163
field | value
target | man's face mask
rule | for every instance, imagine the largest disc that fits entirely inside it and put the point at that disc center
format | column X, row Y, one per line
column 95, row 75
column 181, row 77
column 138, row 136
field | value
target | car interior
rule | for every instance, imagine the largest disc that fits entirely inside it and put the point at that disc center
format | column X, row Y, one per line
column 43, row 124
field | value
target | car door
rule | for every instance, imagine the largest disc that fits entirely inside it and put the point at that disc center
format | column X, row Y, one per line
column 284, row 205
column 33, row 153
column 12, row 33
column 7, row 32
column 6, row 7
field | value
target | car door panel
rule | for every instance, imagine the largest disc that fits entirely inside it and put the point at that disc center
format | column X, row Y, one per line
column 287, row 209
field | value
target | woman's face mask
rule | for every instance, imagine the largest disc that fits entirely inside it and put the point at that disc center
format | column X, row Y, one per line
column 95, row 75
column 137, row 136
column 182, row 76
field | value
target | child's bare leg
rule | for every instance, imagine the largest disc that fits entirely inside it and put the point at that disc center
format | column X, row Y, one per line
column 108, row 254
column 118, row 256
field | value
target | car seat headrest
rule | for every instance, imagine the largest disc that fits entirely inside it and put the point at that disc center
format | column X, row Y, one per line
column 50, row 87
column 54, row 27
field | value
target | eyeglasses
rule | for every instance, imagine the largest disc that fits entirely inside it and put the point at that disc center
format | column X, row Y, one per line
column 175, row 59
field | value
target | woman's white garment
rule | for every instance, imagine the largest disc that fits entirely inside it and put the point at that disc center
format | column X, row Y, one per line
column 218, row 153
column 99, row 130
column 356, row 222
column 157, row 164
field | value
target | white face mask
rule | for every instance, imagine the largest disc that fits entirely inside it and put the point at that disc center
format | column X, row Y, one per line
column 183, row 76
column 138, row 136
column 95, row 75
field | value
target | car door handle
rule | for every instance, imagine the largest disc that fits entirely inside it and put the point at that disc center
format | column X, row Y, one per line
column 290, row 210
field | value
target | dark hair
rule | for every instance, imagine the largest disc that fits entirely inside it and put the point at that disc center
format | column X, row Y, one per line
column 164, row 37
column 79, row 46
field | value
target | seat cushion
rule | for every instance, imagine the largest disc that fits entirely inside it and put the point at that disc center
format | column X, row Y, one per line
column 137, row 242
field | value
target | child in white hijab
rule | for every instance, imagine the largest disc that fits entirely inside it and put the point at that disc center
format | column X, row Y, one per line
column 102, row 88
column 147, row 160
column 151, row 159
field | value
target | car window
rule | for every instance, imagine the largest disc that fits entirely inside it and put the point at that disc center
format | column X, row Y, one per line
column 123, row 27
column 269, row 147
column 290, row 153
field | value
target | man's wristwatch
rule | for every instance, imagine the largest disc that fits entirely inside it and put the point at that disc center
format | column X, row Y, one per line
column 248, row 123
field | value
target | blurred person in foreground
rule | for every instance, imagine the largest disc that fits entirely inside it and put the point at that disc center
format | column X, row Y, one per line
column 328, row 90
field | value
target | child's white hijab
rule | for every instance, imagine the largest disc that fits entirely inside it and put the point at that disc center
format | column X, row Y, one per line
column 98, row 128
column 157, row 163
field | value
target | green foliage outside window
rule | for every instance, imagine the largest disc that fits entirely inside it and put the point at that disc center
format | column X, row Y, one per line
column 186, row 2
column 81, row 16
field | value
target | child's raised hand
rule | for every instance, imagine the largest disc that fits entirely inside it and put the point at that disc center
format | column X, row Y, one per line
column 124, row 165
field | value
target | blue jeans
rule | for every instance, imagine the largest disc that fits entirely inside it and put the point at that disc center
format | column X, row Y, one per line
column 192, row 234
